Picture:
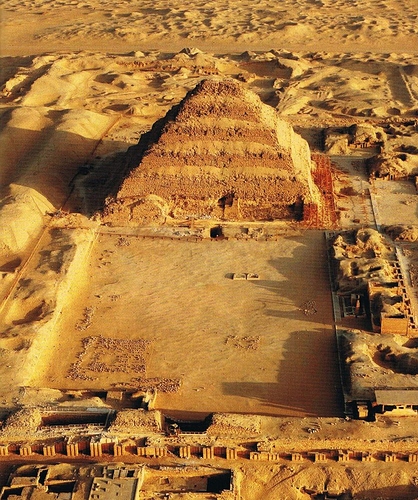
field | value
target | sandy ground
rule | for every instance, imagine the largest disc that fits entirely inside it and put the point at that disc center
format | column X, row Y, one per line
column 80, row 82
column 53, row 25
column 72, row 114
column 269, row 481
column 394, row 198
column 233, row 345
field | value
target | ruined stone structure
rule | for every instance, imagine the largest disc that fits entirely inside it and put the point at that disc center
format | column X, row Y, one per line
column 366, row 265
column 221, row 153
column 390, row 309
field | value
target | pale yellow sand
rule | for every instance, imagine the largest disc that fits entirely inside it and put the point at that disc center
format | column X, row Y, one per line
column 76, row 91
column 386, row 25
column 234, row 345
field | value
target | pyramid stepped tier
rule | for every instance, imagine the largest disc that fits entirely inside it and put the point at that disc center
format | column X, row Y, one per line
column 220, row 153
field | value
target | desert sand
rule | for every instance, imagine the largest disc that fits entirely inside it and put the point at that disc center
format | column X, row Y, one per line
column 88, row 305
column 321, row 25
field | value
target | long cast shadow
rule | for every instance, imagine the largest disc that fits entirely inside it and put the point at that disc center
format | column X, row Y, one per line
column 305, row 279
column 308, row 380
column 59, row 163
column 400, row 492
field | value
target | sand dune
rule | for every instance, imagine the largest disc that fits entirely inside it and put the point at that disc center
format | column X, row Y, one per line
column 382, row 25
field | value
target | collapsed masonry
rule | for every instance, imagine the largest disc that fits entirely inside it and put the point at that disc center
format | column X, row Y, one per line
column 340, row 140
column 369, row 282
column 135, row 481
column 393, row 166
column 368, row 276
column 222, row 154
column 136, row 435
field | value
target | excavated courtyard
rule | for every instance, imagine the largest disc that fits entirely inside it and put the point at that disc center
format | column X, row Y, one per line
column 178, row 322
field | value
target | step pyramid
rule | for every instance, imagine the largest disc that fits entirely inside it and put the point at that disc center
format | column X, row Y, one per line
column 222, row 154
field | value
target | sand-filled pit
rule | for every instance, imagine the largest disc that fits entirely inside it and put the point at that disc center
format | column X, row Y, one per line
column 180, row 324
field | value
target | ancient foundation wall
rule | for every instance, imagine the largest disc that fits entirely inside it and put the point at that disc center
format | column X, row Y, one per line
column 96, row 448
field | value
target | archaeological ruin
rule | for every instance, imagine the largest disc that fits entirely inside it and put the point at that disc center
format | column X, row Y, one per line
column 221, row 153
column 232, row 301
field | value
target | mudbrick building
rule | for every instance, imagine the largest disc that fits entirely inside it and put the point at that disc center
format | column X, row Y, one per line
column 113, row 481
column 368, row 278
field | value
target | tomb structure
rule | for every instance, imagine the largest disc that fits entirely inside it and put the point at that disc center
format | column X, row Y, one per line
column 221, row 154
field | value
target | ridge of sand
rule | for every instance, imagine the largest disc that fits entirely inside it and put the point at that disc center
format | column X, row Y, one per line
column 113, row 99
column 387, row 26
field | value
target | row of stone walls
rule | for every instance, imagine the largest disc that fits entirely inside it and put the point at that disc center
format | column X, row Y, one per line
column 97, row 448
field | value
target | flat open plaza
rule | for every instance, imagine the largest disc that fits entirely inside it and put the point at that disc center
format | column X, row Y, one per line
column 166, row 314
